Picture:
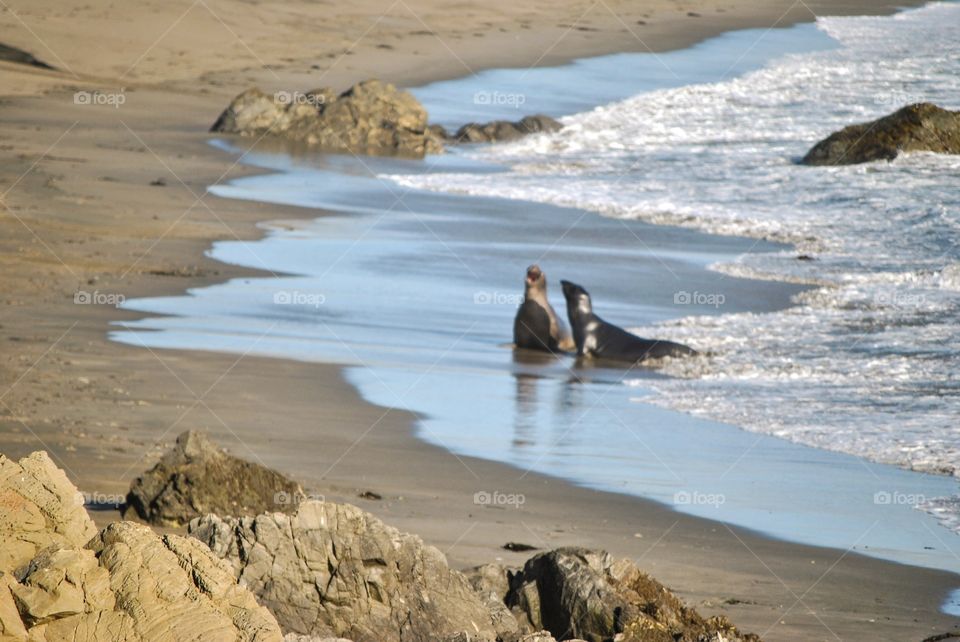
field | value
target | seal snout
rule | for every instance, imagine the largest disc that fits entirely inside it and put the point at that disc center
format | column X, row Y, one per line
column 534, row 273
column 570, row 289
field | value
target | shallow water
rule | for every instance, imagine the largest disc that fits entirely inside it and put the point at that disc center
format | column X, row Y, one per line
column 868, row 362
column 416, row 291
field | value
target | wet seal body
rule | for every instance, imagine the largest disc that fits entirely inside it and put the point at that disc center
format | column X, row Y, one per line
column 594, row 337
column 536, row 326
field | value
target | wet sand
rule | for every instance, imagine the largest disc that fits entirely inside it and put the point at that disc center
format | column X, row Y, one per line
column 81, row 215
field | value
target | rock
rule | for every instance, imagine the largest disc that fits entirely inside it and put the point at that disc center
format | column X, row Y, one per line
column 492, row 583
column 11, row 625
column 335, row 570
column 504, row 131
column 196, row 477
column 125, row 583
column 371, row 117
column 174, row 588
column 62, row 582
column 39, row 507
column 915, row 128
column 575, row 592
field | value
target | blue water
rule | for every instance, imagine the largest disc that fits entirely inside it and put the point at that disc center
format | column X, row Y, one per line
column 415, row 291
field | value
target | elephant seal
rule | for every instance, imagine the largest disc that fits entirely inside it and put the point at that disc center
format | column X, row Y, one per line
column 595, row 337
column 536, row 325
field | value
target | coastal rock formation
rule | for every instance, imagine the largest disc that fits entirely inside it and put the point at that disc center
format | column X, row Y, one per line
column 915, row 128
column 576, row 592
column 371, row 117
column 505, row 131
column 196, row 477
column 40, row 508
column 60, row 580
column 334, row 570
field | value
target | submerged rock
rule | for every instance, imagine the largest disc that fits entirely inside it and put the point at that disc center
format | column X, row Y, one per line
column 196, row 477
column 371, row 117
column 505, row 131
column 335, row 570
column 125, row 583
column 581, row 593
column 915, row 128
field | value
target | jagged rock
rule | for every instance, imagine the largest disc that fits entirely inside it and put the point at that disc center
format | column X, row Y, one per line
column 371, row 117
column 125, row 583
column 11, row 625
column 40, row 508
column 175, row 589
column 914, row 128
column 491, row 582
column 335, row 570
column 59, row 583
column 196, row 477
column 504, row 131
column 575, row 592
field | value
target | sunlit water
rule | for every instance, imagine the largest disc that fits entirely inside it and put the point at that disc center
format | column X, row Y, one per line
column 868, row 362
column 416, row 289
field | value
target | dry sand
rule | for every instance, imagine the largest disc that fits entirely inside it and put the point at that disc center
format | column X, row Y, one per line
column 80, row 214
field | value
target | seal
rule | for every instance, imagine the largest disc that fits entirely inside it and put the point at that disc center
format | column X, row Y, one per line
column 536, row 325
column 596, row 338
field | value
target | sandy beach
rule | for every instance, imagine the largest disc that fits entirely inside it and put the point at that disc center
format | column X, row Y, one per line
column 111, row 200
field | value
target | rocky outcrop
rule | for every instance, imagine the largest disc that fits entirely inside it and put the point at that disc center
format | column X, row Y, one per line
column 505, row 131
column 39, row 508
column 334, row 570
column 196, row 477
column 126, row 583
column 371, row 117
column 915, row 128
column 580, row 593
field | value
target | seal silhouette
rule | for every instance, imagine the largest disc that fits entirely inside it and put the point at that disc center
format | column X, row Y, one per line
column 536, row 325
column 595, row 337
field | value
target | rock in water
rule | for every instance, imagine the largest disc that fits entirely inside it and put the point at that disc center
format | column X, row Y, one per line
column 575, row 592
column 335, row 570
column 371, row 117
column 922, row 127
column 196, row 478
column 505, row 131
column 126, row 583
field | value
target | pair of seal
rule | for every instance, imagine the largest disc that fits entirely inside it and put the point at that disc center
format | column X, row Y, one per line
column 596, row 338
column 536, row 326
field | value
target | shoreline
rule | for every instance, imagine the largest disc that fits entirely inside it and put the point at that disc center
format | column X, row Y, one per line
column 63, row 359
